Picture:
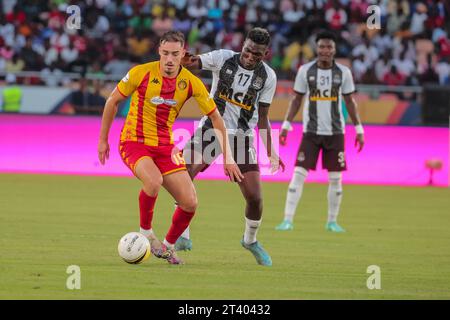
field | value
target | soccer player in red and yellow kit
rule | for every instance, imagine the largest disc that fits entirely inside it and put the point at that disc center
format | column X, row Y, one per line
column 158, row 92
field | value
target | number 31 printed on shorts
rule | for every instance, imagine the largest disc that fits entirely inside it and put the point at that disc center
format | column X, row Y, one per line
column 341, row 158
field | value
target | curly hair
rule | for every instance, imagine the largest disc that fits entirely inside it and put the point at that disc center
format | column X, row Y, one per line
column 259, row 36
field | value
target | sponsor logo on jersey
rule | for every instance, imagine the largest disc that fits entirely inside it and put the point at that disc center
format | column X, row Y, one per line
column 258, row 83
column 126, row 78
column 155, row 80
column 170, row 102
column 245, row 101
column 160, row 100
column 337, row 79
column 324, row 95
column 157, row 100
column 182, row 84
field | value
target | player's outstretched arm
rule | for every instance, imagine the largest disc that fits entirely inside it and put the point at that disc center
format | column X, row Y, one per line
column 109, row 112
column 265, row 132
column 294, row 107
column 230, row 166
column 354, row 115
column 192, row 62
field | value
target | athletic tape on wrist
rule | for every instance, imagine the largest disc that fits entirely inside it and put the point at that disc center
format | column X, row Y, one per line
column 359, row 129
column 286, row 125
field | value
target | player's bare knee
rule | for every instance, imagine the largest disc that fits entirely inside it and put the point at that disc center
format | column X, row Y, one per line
column 254, row 201
column 189, row 204
column 152, row 186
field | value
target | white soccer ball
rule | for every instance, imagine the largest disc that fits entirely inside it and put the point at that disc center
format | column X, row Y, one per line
column 134, row 248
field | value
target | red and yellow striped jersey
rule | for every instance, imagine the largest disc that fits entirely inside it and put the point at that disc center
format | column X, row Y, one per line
column 156, row 102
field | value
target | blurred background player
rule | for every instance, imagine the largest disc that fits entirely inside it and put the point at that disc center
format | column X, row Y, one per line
column 243, row 88
column 159, row 90
column 324, row 82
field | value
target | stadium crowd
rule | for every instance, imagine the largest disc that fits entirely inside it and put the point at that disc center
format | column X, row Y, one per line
column 411, row 48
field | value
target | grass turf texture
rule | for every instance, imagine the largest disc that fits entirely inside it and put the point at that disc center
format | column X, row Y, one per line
column 51, row 222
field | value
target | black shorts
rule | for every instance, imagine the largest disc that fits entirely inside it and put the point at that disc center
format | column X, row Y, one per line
column 333, row 155
column 204, row 143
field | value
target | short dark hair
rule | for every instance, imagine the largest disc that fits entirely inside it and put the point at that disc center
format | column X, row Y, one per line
column 172, row 36
column 259, row 36
column 325, row 34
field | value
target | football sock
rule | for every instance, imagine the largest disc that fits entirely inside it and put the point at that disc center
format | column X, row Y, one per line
column 251, row 228
column 185, row 233
column 294, row 192
column 149, row 234
column 146, row 206
column 168, row 244
column 334, row 195
column 180, row 221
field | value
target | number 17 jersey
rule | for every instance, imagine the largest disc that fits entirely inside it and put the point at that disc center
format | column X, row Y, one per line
column 237, row 91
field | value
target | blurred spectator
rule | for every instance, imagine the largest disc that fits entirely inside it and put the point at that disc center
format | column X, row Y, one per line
column 97, row 24
column 2, row 65
column 394, row 78
column 52, row 76
column 140, row 21
column 69, row 54
column 443, row 71
column 139, row 45
column 119, row 66
column 6, row 52
column 116, row 34
column 86, row 102
column 33, row 61
column 444, row 47
column 382, row 67
column 429, row 75
column 395, row 20
column 359, row 67
column 294, row 13
column 369, row 77
column 12, row 95
column 162, row 24
column 418, row 19
column 180, row 5
column 59, row 40
column 292, row 52
column 182, row 23
column 50, row 53
column 197, row 10
column 16, row 64
column 368, row 51
column 382, row 41
column 8, row 6
column 404, row 66
column 17, row 16
column 336, row 17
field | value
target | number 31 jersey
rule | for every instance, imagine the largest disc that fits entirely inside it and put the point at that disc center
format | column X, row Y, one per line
column 323, row 90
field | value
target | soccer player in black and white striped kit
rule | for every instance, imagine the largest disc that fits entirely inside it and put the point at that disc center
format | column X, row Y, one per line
column 243, row 87
column 323, row 83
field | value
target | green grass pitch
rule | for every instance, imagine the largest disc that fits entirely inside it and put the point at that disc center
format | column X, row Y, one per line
column 50, row 222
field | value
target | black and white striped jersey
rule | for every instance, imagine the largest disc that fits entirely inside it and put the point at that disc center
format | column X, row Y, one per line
column 237, row 91
column 323, row 90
